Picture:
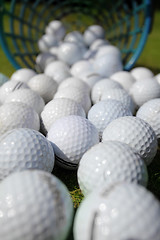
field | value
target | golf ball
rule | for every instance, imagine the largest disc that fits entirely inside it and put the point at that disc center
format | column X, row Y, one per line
column 34, row 205
column 71, row 137
column 108, row 163
column 135, row 132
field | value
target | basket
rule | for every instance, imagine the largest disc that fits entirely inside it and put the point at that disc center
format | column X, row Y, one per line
column 22, row 23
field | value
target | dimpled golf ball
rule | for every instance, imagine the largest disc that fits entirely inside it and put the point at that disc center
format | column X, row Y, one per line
column 9, row 87
column 35, row 205
column 124, row 78
column 110, row 49
column 101, row 87
column 18, row 115
column 56, row 28
column 81, row 67
column 135, row 132
column 58, row 108
column 150, row 112
column 43, row 59
column 90, row 79
column 124, row 211
column 23, row 74
column 92, row 33
column 78, row 95
column 108, row 163
column 74, row 82
column 70, row 52
column 44, row 86
column 28, row 97
column 143, row 91
column 103, row 112
column 120, row 95
column 72, row 136
column 24, row 148
column 58, row 70
column 141, row 73
column 108, row 64
column 3, row 79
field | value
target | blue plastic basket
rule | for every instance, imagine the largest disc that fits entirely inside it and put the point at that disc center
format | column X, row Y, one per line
column 22, row 23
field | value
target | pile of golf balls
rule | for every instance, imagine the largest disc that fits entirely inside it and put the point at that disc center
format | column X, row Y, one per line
column 78, row 111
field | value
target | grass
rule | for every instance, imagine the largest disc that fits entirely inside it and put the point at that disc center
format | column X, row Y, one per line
column 149, row 58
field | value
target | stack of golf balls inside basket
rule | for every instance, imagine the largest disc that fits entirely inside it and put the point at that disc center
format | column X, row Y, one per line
column 80, row 110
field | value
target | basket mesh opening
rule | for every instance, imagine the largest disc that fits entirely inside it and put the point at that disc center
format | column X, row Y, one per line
column 127, row 24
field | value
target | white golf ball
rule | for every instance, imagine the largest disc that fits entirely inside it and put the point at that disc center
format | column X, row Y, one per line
column 108, row 163
column 101, row 87
column 35, row 205
column 70, row 52
column 28, row 97
column 18, row 115
column 92, row 33
column 135, row 132
column 57, row 108
column 24, row 148
column 90, row 78
column 46, row 42
column 56, row 28
column 143, row 91
column 124, row 78
column 81, row 67
column 44, row 86
column 122, row 212
column 98, row 43
column 74, row 82
column 58, row 70
column 108, row 50
column 150, row 112
column 9, row 87
column 75, row 36
column 23, row 75
column 120, row 95
column 141, row 73
column 43, row 59
column 71, row 137
column 107, row 65
column 76, row 94
column 103, row 112
column 157, row 77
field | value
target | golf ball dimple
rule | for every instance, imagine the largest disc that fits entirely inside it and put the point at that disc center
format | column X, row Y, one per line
column 34, row 205
column 122, row 211
column 135, row 132
column 103, row 112
column 18, row 115
column 71, row 137
column 108, row 163
column 24, row 148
